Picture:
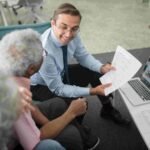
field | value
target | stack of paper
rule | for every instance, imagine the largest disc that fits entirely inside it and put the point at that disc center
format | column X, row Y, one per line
column 126, row 67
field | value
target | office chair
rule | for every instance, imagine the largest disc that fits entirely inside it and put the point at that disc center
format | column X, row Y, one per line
column 32, row 11
column 39, row 27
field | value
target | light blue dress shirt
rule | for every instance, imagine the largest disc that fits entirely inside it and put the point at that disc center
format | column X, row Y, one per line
column 51, row 71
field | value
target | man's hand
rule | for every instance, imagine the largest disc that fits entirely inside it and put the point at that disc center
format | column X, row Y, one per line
column 77, row 107
column 99, row 90
column 106, row 68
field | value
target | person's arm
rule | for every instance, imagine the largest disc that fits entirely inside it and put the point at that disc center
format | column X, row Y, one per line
column 54, row 127
column 99, row 90
column 38, row 117
column 85, row 58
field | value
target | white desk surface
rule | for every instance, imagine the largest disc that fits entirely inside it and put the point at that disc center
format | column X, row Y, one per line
column 136, row 114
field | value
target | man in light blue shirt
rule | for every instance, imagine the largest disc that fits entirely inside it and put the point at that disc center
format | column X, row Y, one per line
column 51, row 79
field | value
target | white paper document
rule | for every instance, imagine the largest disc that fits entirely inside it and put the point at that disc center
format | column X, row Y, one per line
column 126, row 67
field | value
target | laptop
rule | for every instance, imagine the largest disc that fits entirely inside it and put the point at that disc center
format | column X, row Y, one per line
column 137, row 90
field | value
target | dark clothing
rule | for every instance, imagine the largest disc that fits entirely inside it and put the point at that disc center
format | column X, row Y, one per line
column 79, row 76
column 70, row 137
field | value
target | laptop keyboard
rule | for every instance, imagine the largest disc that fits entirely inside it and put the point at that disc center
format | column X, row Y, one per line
column 140, row 89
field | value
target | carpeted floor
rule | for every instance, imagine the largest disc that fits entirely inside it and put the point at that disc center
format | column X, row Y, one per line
column 115, row 137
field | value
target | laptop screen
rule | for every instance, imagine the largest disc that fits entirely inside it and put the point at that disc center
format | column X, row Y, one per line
column 146, row 74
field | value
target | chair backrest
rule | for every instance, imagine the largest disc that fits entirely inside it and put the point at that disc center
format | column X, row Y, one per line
column 30, row 3
column 40, row 27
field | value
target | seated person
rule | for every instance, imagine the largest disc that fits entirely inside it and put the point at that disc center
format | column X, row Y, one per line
column 24, row 54
column 55, row 78
column 10, row 109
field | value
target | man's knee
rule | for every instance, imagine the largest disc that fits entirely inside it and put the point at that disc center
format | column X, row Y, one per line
column 53, row 108
column 70, row 138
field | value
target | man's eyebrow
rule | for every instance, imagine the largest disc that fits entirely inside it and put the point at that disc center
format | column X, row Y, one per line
column 64, row 24
column 77, row 26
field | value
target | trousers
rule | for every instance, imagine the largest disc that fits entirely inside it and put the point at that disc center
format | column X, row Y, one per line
column 70, row 138
column 49, row 144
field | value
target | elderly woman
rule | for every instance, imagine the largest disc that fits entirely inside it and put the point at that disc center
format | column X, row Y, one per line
column 10, row 109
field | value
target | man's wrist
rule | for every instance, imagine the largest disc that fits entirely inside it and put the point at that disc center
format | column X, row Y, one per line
column 92, row 91
column 69, row 115
column 101, row 69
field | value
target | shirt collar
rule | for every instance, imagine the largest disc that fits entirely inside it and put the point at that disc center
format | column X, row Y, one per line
column 54, row 39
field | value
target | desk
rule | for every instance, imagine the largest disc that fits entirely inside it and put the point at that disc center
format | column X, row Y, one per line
column 135, row 113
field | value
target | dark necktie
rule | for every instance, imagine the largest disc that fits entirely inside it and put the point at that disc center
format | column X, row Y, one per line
column 66, row 75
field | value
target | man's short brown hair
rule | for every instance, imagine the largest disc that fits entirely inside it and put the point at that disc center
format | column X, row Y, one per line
column 66, row 8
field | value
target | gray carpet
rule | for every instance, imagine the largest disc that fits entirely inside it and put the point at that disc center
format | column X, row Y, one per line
column 115, row 137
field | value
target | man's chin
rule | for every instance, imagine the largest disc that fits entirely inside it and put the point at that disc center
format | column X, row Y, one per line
column 65, row 42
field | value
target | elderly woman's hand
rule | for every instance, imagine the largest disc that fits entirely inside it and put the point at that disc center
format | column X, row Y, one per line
column 26, row 99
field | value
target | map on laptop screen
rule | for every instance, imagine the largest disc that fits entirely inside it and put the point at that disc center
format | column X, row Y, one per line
column 146, row 74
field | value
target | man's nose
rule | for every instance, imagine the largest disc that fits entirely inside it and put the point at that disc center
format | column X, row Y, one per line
column 68, row 33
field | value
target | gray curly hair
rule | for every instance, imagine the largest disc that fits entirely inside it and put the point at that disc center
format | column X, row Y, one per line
column 21, row 48
column 9, row 107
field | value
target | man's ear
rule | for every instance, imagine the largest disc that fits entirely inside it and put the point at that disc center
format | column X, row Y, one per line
column 31, row 70
column 52, row 22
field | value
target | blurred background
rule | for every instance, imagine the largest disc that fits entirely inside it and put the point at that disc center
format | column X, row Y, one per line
column 105, row 23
